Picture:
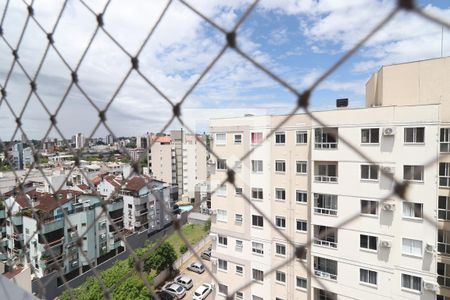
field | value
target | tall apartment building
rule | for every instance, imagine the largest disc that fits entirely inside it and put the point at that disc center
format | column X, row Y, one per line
column 310, row 183
column 179, row 159
column 79, row 141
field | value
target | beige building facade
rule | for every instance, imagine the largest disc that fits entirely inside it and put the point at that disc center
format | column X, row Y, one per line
column 308, row 182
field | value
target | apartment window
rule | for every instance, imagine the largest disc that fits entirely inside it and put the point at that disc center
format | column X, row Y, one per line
column 257, row 193
column 368, row 242
column 412, row 247
column 280, row 194
column 257, row 248
column 256, row 137
column 221, row 139
column 280, row 277
column 257, row 221
column 444, row 208
column 444, row 174
column 280, row 249
column 301, row 167
column 256, row 298
column 223, row 265
column 280, row 138
column 238, row 191
column 368, row 276
column 223, row 240
column 280, row 166
column 443, row 271
column 238, row 218
column 325, row 204
column 257, row 166
column 412, row 210
column 301, row 196
column 443, row 245
column 238, row 139
column 440, row 297
column 411, row 282
column 369, row 207
column 325, row 236
column 239, row 295
column 301, row 137
column 223, row 289
column 369, row 172
column 324, row 295
column 239, row 270
column 301, row 282
column 413, row 173
column 222, row 215
column 239, row 245
column 257, row 275
column 370, row 136
column 414, row 135
column 302, row 225
column 280, row 222
column 222, row 190
column 445, row 140
column 221, row 164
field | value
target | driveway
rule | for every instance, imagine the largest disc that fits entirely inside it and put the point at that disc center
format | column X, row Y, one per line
column 197, row 279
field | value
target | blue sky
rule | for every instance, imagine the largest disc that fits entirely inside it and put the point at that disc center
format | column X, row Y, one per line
column 297, row 40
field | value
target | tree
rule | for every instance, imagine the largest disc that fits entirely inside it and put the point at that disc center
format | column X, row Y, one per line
column 161, row 259
column 207, row 226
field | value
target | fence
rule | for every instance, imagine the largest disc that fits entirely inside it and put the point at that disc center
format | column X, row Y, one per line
column 131, row 62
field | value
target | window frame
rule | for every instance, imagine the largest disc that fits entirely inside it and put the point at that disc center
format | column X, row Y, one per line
column 411, row 246
column 371, row 202
column 256, row 137
column 258, row 165
column 221, row 164
column 283, row 194
column 369, row 172
column 257, row 275
column 301, row 194
column 370, row 134
column 222, row 240
column 282, row 138
column 301, row 133
column 282, row 163
column 280, row 275
column 369, row 241
column 414, row 136
column 235, row 141
column 279, row 246
column 223, row 212
column 413, row 173
column 257, row 218
column 304, row 223
column 367, row 276
column 217, row 139
column 303, row 167
column 224, row 264
column 259, row 192
column 280, row 222
column 257, row 248
column 302, row 279
column 411, row 282
column 413, row 210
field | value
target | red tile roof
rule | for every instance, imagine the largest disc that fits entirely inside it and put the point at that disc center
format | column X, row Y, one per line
column 83, row 187
column 113, row 181
column 46, row 201
column 13, row 273
column 135, row 184
column 162, row 139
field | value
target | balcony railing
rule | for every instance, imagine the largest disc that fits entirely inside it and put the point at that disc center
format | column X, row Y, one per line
column 325, row 211
column 141, row 212
column 323, row 178
column 323, row 274
column 325, row 243
column 325, row 145
column 52, row 226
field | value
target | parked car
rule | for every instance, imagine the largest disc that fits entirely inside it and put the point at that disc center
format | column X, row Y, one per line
column 202, row 291
column 163, row 295
column 184, row 281
column 197, row 268
column 175, row 289
column 206, row 255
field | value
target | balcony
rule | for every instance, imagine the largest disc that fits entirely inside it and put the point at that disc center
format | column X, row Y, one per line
column 325, row 268
column 325, row 204
column 141, row 212
column 52, row 226
column 118, row 204
column 325, row 236
column 326, row 172
column 325, row 138
column 17, row 220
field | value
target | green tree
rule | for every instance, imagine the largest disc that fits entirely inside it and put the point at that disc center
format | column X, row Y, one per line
column 161, row 259
column 207, row 226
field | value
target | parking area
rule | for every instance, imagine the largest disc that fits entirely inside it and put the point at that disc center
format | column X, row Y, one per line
column 197, row 279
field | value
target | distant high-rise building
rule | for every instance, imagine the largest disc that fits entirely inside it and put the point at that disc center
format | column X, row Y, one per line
column 79, row 141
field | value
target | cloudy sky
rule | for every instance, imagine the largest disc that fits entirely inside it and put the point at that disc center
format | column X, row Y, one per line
column 296, row 40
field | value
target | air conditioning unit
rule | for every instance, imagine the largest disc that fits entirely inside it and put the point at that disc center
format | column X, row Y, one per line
column 211, row 162
column 385, row 244
column 74, row 263
column 430, row 286
column 389, row 131
column 430, row 248
column 388, row 169
column 73, row 234
column 104, row 248
column 389, row 206
column 102, row 236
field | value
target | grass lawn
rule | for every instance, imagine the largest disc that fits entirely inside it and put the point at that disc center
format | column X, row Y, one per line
column 193, row 233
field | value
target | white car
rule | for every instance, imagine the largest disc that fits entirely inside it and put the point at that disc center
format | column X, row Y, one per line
column 197, row 268
column 184, row 281
column 175, row 289
column 202, row 291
